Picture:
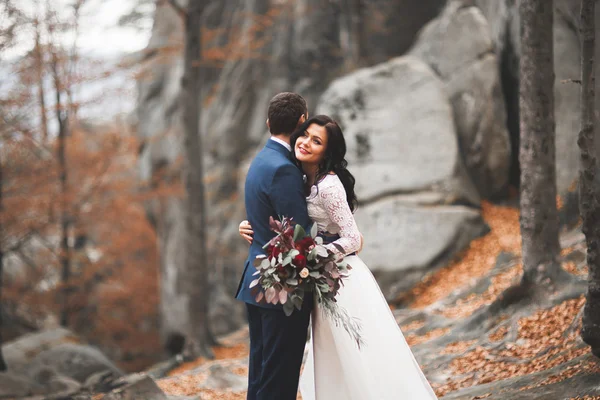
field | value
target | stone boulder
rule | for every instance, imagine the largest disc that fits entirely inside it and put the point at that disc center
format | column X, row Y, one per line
column 417, row 205
column 458, row 46
column 74, row 361
column 13, row 386
column 134, row 387
column 19, row 353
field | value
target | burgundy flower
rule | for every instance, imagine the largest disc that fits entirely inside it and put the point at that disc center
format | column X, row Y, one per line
column 300, row 261
column 305, row 244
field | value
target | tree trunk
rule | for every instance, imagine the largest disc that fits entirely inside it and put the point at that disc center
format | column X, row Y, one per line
column 39, row 66
column 196, row 270
column 65, row 251
column 588, row 191
column 537, row 155
column 3, row 366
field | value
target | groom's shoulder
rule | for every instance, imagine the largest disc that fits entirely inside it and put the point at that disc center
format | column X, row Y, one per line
column 271, row 159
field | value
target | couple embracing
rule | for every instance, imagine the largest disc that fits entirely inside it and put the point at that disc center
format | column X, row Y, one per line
column 383, row 368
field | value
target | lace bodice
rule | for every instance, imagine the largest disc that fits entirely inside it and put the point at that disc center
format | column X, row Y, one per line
column 328, row 208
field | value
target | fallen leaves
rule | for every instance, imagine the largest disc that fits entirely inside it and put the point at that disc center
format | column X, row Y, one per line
column 479, row 258
column 544, row 340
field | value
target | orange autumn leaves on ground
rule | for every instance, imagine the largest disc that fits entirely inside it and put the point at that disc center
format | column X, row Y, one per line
column 544, row 340
column 477, row 260
column 113, row 287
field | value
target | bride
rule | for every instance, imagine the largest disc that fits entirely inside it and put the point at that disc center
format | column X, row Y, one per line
column 384, row 368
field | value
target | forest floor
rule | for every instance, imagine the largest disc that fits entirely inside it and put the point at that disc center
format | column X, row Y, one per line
column 528, row 351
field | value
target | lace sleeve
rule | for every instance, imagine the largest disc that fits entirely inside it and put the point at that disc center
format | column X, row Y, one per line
column 334, row 202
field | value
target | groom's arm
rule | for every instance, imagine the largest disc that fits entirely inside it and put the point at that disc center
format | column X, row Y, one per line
column 287, row 195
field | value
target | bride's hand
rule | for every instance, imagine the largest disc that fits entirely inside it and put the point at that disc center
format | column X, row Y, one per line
column 245, row 230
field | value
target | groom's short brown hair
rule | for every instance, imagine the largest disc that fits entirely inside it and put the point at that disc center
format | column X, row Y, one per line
column 285, row 109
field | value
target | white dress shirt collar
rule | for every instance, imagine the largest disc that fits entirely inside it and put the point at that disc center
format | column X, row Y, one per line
column 283, row 143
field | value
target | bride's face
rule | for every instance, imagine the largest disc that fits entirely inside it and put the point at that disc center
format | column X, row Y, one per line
column 310, row 146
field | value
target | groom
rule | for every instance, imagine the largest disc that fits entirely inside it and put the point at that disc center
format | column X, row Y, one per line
column 274, row 188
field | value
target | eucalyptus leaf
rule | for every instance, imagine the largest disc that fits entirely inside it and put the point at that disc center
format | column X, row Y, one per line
column 288, row 308
column 299, row 232
column 254, row 283
column 319, row 240
column 286, row 261
column 322, row 251
column 292, row 282
column 314, row 230
column 265, row 263
column 293, row 253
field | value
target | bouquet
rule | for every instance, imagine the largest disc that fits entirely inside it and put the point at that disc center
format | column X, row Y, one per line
column 297, row 264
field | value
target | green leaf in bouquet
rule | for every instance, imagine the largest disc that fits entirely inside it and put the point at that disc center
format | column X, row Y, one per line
column 283, row 296
column 280, row 258
column 256, row 273
column 293, row 253
column 265, row 263
column 258, row 260
column 273, row 262
column 316, row 274
column 314, row 229
column 254, row 283
column 319, row 240
column 287, row 260
column 299, row 232
column 271, row 271
column 312, row 255
column 276, row 277
column 270, row 294
column 292, row 281
column 288, row 308
column 323, row 288
column 297, row 300
column 342, row 264
column 322, row 251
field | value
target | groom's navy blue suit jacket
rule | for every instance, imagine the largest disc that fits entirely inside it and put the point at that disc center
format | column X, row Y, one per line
column 274, row 188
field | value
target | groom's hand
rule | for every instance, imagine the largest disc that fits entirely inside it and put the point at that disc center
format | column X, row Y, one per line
column 245, row 230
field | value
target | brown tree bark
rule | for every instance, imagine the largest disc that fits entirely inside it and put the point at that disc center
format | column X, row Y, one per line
column 3, row 366
column 39, row 66
column 589, row 205
column 65, row 220
column 537, row 153
column 196, row 269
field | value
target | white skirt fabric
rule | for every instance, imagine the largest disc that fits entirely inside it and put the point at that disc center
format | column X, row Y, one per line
column 383, row 369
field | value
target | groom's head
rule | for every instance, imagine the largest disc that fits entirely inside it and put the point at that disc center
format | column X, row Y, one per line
column 287, row 110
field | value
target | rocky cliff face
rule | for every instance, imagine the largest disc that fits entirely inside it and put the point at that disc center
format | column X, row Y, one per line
column 429, row 134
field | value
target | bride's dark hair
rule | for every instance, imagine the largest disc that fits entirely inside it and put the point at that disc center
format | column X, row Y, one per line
column 335, row 152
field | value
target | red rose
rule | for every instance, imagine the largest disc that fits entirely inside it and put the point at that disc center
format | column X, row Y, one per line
column 300, row 261
column 305, row 244
column 275, row 252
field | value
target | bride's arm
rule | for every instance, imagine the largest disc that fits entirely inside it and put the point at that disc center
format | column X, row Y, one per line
column 334, row 201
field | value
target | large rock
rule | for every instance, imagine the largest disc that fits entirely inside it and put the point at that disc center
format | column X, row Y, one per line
column 305, row 44
column 14, row 386
column 74, row 361
column 418, row 207
column 458, row 46
column 19, row 353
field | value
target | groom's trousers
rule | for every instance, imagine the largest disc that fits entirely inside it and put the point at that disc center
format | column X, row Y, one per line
column 276, row 350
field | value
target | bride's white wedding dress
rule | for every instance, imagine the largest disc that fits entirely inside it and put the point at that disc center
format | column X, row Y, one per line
column 335, row 369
